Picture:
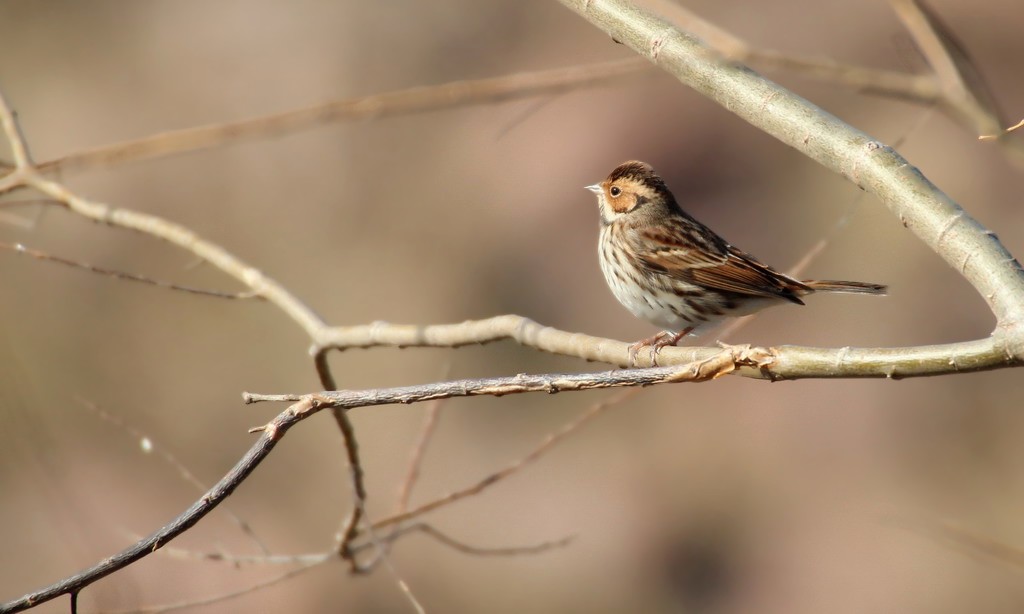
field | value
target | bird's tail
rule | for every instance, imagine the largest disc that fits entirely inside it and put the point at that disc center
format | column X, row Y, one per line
column 850, row 287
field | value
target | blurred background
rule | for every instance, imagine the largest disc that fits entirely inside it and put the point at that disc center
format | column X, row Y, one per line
column 733, row 496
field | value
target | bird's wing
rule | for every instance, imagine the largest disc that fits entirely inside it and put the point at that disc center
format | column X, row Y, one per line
column 696, row 258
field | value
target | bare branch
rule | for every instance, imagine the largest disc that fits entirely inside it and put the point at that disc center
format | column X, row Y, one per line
column 923, row 89
column 19, row 146
column 430, row 420
column 18, row 248
column 194, row 603
column 401, row 102
column 1004, row 132
column 964, row 89
column 149, row 446
column 721, row 363
column 964, row 540
column 465, row 548
column 350, row 528
column 788, row 361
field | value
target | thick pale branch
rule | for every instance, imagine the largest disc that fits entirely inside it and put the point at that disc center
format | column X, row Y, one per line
column 788, row 362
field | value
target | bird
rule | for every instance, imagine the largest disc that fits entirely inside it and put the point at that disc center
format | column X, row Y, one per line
column 667, row 268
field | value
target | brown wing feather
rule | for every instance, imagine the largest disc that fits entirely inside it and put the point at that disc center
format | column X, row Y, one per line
column 689, row 256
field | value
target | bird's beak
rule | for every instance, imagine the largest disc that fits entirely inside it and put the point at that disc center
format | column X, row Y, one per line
column 596, row 188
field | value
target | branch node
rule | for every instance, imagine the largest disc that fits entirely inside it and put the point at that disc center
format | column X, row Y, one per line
column 658, row 42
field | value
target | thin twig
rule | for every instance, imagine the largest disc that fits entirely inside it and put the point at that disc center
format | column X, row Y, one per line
column 964, row 540
column 204, row 505
column 964, row 89
column 17, row 221
column 989, row 137
column 149, row 445
column 465, row 548
column 547, row 444
column 412, row 473
column 194, row 603
column 401, row 102
column 239, row 560
column 18, row 248
column 916, row 88
column 16, row 140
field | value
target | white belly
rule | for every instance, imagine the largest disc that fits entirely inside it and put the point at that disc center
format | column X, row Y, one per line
column 645, row 304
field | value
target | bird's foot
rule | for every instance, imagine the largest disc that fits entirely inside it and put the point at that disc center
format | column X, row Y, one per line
column 656, row 342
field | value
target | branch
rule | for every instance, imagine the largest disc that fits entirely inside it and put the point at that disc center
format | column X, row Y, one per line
column 964, row 90
column 923, row 89
column 409, row 101
column 18, row 248
column 724, row 361
column 786, row 361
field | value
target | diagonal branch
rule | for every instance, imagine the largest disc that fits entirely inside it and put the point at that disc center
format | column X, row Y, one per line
column 964, row 91
column 420, row 99
column 923, row 89
column 18, row 248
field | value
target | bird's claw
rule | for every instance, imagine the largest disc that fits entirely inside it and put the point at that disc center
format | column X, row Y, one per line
column 664, row 338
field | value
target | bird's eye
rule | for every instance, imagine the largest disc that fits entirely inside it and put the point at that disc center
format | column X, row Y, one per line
column 615, row 191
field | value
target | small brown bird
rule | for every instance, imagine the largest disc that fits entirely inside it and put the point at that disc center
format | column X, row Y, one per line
column 669, row 269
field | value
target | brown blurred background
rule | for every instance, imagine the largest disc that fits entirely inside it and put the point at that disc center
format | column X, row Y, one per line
column 734, row 496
